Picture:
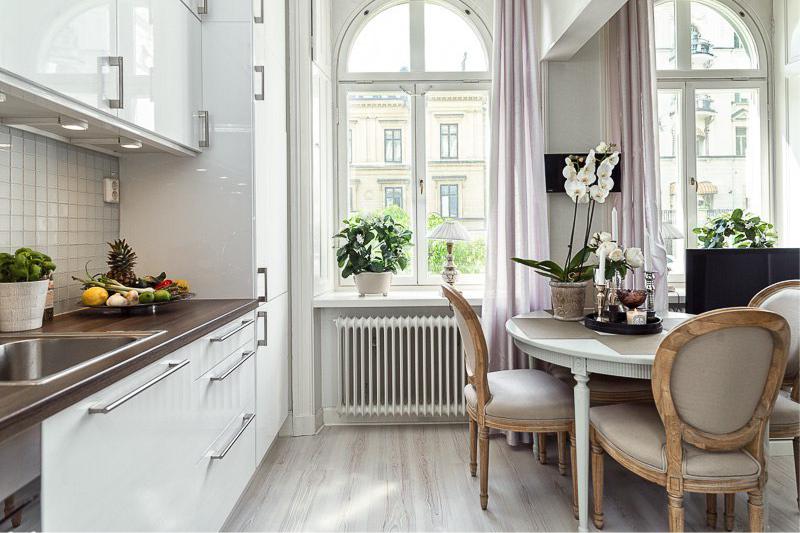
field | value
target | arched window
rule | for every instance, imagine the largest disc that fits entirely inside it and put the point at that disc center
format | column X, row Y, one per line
column 712, row 118
column 413, row 135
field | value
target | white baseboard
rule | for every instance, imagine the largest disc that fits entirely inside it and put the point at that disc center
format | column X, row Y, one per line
column 332, row 417
column 287, row 428
column 307, row 424
column 780, row 447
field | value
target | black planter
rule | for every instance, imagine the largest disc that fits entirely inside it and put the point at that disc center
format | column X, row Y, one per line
column 730, row 277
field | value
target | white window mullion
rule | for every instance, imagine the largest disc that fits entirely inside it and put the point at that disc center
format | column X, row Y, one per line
column 691, row 180
column 417, row 20
column 683, row 35
column 421, row 184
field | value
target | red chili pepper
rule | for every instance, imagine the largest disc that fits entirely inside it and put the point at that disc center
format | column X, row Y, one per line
column 164, row 284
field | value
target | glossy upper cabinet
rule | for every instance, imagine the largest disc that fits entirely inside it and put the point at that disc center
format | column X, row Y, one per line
column 160, row 41
column 63, row 45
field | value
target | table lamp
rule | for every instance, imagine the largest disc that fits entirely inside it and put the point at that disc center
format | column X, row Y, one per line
column 449, row 231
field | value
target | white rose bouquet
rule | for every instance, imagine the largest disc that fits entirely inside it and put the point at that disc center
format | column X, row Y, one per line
column 588, row 181
column 618, row 260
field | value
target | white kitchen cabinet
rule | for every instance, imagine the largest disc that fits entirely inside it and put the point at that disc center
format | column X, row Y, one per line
column 63, row 45
column 160, row 41
column 272, row 371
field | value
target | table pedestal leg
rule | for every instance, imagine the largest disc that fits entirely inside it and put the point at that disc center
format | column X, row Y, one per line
column 582, row 445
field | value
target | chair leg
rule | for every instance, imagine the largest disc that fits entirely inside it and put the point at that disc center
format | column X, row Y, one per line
column 597, row 481
column 730, row 511
column 473, row 447
column 542, row 439
column 711, row 510
column 483, row 435
column 562, row 452
column 755, row 508
column 796, row 446
column 574, row 466
column 675, row 510
column 8, row 507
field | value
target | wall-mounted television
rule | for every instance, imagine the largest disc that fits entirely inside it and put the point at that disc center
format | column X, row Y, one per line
column 554, row 179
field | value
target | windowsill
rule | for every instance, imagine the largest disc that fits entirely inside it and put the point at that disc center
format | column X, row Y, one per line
column 398, row 297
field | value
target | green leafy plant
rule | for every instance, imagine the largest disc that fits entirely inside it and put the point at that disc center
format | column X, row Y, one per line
column 372, row 244
column 25, row 265
column 736, row 229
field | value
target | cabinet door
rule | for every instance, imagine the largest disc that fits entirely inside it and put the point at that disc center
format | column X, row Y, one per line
column 125, row 469
column 63, row 45
column 160, row 43
column 272, row 372
column 270, row 176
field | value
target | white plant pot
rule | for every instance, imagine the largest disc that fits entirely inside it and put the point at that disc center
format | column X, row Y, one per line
column 373, row 283
column 22, row 305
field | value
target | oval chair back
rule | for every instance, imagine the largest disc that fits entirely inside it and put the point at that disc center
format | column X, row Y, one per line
column 715, row 381
column 784, row 298
column 476, row 359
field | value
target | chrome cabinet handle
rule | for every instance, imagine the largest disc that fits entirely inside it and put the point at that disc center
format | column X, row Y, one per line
column 259, row 19
column 204, row 141
column 240, row 362
column 234, row 331
column 259, row 69
column 246, row 419
column 172, row 367
column 202, row 7
column 263, row 270
column 264, row 341
column 118, row 62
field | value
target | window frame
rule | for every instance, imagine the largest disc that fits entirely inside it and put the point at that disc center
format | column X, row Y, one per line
column 689, row 81
column 447, row 138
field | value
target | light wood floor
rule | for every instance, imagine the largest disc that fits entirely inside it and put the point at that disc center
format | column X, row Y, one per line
column 416, row 478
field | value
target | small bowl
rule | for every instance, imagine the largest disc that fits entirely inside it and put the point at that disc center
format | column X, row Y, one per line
column 631, row 298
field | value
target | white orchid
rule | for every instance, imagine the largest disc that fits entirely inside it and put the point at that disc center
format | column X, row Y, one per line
column 616, row 254
column 606, row 184
column 634, row 257
column 613, row 158
column 590, row 159
column 569, row 172
column 602, row 148
column 605, row 169
column 575, row 189
column 598, row 195
column 586, row 176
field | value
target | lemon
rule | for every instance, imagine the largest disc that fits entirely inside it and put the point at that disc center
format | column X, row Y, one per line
column 94, row 296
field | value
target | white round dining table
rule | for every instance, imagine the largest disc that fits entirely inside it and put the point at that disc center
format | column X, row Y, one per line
column 586, row 352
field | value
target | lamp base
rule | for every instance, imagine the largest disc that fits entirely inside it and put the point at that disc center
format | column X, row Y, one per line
column 449, row 271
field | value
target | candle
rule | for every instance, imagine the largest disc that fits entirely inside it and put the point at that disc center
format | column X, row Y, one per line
column 614, row 234
column 636, row 317
column 600, row 273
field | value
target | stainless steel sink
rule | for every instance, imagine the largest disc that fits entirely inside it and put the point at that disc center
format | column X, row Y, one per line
column 31, row 360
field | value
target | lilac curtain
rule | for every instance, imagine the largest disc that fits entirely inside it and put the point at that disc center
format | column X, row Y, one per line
column 632, row 119
column 517, row 198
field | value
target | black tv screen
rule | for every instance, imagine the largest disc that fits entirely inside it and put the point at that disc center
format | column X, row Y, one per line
column 730, row 277
column 554, row 179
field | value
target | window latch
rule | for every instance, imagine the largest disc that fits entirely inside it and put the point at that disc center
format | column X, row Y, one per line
column 422, row 186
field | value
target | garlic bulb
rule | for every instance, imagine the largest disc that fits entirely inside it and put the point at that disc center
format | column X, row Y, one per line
column 116, row 300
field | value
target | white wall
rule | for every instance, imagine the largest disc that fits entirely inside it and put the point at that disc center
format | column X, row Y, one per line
column 566, row 25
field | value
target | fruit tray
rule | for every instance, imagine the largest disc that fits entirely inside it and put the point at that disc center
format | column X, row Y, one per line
column 623, row 328
column 148, row 307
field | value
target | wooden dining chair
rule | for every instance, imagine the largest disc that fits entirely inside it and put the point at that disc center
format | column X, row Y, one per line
column 716, row 378
column 782, row 298
column 524, row 400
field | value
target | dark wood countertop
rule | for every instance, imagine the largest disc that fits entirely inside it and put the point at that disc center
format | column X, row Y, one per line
column 22, row 406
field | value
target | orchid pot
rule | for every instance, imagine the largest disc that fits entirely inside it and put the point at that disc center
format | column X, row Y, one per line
column 568, row 299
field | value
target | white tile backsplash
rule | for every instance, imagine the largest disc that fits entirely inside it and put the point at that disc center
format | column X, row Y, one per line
column 51, row 199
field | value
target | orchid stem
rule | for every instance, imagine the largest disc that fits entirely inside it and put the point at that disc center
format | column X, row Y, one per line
column 589, row 220
column 571, row 238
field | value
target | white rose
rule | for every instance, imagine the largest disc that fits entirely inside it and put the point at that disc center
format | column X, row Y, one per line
column 593, row 243
column 601, row 148
column 605, row 183
column 608, row 246
column 598, row 194
column 604, row 236
column 616, row 255
column 634, row 257
column 569, row 172
column 575, row 189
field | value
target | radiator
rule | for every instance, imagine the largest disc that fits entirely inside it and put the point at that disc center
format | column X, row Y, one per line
column 400, row 366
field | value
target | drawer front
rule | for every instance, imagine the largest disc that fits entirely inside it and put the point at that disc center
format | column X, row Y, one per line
column 216, row 346
column 218, row 396
column 121, row 463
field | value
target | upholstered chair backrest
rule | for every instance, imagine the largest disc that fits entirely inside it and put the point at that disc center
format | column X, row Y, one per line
column 784, row 298
column 473, row 342
column 716, row 376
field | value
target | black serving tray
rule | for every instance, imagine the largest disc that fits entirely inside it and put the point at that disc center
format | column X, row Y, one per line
column 623, row 328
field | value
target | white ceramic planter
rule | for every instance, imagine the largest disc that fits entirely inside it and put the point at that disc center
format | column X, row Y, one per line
column 22, row 305
column 373, row 283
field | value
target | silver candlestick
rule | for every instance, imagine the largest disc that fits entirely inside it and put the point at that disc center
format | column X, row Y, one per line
column 600, row 301
column 650, row 287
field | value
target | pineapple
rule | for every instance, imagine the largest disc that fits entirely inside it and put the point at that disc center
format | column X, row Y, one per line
column 121, row 260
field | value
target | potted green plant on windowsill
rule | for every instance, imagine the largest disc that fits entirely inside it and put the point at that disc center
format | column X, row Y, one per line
column 24, row 278
column 587, row 181
column 736, row 229
column 375, row 248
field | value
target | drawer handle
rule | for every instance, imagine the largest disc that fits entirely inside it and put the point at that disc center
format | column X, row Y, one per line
column 233, row 332
column 240, row 362
column 265, row 340
column 263, row 270
column 246, row 419
column 172, row 367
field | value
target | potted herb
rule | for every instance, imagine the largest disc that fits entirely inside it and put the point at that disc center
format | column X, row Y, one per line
column 736, row 230
column 588, row 181
column 374, row 249
column 24, row 278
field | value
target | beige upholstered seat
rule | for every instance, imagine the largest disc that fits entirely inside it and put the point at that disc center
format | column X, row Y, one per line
column 785, row 415
column 525, row 400
column 716, row 379
column 524, row 395
column 636, row 430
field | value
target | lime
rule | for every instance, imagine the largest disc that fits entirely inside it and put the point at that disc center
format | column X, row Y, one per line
column 146, row 297
column 160, row 296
